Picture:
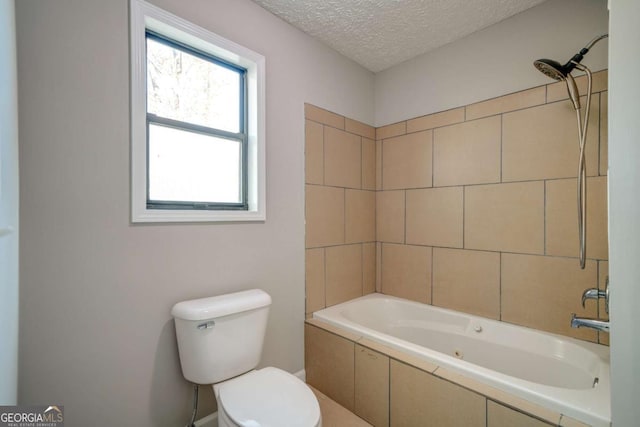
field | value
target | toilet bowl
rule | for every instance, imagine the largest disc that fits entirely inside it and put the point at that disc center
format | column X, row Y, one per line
column 269, row 397
column 220, row 342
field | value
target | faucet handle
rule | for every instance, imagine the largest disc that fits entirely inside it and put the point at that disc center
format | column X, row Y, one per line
column 593, row 293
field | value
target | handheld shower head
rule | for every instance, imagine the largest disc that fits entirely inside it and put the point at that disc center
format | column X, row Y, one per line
column 557, row 71
column 550, row 68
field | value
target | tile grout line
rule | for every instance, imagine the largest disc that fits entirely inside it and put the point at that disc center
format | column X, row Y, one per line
column 461, row 185
column 433, row 154
column 546, row 94
column 501, row 143
column 361, row 167
column 404, row 193
column 344, row 215
column 544, row 218
column 324, row 156
column 599, row 133
column 464, row 217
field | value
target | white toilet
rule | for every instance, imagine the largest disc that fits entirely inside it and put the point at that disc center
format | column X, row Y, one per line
column 220, row 342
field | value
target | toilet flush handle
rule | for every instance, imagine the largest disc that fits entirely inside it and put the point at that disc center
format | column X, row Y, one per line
column 207, row 325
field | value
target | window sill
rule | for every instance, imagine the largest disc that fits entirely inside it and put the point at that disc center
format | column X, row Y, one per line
column 160, row 215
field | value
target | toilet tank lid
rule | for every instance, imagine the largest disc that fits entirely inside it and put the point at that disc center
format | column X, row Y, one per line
column 221, row 305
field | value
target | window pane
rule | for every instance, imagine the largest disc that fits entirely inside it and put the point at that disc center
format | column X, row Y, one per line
column 184, row 87
column 192, row 167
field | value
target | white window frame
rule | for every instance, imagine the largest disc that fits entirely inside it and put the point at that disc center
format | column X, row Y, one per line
column 147, row 16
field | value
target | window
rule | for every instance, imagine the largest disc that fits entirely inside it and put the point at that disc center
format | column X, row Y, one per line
column 197, row 131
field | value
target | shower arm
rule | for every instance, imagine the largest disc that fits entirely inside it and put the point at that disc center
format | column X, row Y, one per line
column 595, row 40
column 575, row 60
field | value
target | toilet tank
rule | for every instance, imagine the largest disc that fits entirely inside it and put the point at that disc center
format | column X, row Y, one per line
column 221, row 337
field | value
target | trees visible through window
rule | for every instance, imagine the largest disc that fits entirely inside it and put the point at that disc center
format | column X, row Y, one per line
column 196, row 131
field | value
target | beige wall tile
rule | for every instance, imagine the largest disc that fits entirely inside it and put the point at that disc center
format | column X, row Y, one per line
column 360, row 128
column 360, row 216
column 467, row 153
column 336, row 415
column 501, row 416
column 391, row 130
column 541, row 292
column 314, row 280
column 372, row 386
column 505, row 217
column 406, row 272
column 368, row 164
column 324, row 210
column 542, row 142
column 406, row 161
column 314, row 153
column 604, row 133
column 390, row 216
column 342, row 158
column 467, row 281
column 341, row 332
column 399, row 355
column 562, row 218
column 436, row 120
column 434, row 216
column 368, row 268
column 419, row 398
column 329, row 364
column 320, row 115
column 343, row 273
column 511, row 102
column 499, row 395
column 378, row 165
column 558, row 91
column 603, row 273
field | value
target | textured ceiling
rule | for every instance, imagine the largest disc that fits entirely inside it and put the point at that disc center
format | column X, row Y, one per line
column 379, row 34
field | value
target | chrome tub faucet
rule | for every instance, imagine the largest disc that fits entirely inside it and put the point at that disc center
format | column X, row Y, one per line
column 597, row 324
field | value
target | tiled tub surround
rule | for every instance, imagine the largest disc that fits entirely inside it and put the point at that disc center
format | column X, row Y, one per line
column 475, row 209
column 387, row 387
column 547, row 375
column 340, row 209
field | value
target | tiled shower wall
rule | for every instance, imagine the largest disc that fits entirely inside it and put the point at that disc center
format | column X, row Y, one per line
column 475, row 208
column 340, row 208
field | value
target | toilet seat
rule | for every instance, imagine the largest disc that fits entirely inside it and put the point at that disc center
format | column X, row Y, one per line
column 269, row 397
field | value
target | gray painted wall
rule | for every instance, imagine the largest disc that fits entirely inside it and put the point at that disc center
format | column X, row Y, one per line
column 624, row 210
column 8, row 207
column 96, row 334
column 96, row 291
column 492, row 62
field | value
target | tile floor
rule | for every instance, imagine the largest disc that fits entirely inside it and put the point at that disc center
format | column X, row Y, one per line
column 334, row 415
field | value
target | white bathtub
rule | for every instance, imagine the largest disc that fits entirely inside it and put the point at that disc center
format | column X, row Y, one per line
column 562, row 374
